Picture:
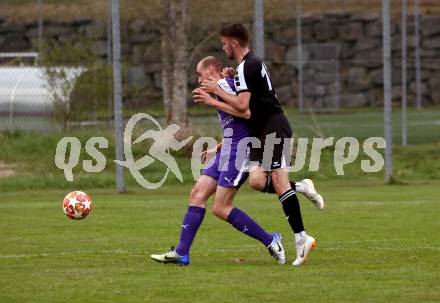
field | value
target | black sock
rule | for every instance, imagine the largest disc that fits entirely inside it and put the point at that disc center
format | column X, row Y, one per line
column 269, row 186
column 292, row 210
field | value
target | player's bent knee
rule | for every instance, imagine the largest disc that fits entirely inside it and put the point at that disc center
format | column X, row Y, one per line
column 280, row 181
column 257, row 183
column 198, row 196
column 220, row 212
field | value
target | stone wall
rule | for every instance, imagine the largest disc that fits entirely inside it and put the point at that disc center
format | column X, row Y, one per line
column 342, row 55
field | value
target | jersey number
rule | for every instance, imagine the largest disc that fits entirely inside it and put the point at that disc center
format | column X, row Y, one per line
column 265, row 74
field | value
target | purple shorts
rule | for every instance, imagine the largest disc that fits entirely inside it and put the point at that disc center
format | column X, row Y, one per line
column 225, row 170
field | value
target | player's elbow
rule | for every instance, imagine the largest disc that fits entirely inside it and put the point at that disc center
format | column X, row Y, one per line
column 244, row 114
column 242, row 107
column 247, row 114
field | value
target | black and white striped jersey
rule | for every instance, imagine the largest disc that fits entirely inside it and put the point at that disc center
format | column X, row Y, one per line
column 252, row 76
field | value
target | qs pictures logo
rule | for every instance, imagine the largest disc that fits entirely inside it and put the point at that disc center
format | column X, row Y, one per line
column 163, row 141
column 346, row 151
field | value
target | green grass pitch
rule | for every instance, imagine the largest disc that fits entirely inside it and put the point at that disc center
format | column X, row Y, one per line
column 376, row 243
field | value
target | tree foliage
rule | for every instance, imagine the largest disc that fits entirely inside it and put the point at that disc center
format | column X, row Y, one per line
column 79, row 83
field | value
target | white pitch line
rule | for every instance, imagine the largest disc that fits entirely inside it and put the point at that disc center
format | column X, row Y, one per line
column 244, row 248
column 43, row 255
column 379, row 202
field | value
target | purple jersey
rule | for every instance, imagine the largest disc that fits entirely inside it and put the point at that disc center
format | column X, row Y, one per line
column 239, row 126
column 229, row 165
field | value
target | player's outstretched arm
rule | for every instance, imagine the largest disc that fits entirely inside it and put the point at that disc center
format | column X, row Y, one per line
column 199, row 95
column 230, row 110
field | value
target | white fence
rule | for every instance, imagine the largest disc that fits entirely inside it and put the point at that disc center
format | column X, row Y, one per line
column 26, row 101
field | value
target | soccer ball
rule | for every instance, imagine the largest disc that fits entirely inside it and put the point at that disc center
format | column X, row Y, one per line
column 77, row 205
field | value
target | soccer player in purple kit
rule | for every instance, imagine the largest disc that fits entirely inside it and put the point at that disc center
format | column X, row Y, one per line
column 221, row 177
column 256, row 93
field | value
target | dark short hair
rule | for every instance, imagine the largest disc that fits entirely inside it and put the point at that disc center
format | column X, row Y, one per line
column 237, row 31
column 212, row 61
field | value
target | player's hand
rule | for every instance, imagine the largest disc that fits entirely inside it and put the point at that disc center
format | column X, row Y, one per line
column 207, row 155
column 228, row 72
column 200, row 95
column 204, row 156
column 210, row 85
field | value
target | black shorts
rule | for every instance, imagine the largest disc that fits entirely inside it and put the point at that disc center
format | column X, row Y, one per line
column 277, row 133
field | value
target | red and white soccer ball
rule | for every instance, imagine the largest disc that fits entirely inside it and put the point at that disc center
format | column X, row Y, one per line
column 77, row 205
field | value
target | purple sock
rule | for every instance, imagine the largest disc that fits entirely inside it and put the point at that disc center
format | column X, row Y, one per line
column 245, row 224
column 191, row 223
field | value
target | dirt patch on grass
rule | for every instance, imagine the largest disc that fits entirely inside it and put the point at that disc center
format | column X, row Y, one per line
column 6, row 170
